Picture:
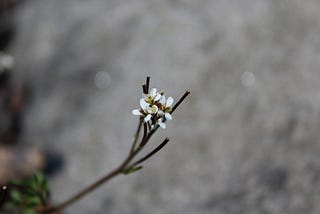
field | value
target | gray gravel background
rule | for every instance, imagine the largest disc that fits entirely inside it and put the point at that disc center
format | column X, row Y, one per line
column 246, row 140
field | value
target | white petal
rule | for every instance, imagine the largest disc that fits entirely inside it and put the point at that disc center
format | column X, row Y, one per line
column 168, row 116
column 169, row 102
column 147, row 118
column 136, row 112
column 153, row 92
column 143, row 104
column 161, row 124
column 160, row 112
column 163, row 100
column 144, row 96
column 158, row 96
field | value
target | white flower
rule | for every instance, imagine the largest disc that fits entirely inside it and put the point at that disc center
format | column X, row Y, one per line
column 154, row 107
column 166, row 107
column 147, row 110
column 153, row 96
column 150, row 110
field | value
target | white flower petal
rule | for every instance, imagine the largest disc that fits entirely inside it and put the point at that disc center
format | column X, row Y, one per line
column 168, row 116
column 161, row 124
column 157, row 97
column 143, row 104
column 160, row 112
column 144, row 96
column 163, row 100
column 136, row 112
column 147, row 118
column 153, row 92
column 169, row 102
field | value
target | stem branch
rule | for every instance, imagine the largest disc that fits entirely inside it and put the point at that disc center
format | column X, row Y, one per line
column 117, row 171
column 180, row 101
column 158, row 148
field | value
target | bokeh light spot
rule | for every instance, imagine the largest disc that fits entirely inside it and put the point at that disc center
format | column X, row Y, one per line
column 102, row 80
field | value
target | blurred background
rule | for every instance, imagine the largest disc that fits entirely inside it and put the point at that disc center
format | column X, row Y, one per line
column 245, row 141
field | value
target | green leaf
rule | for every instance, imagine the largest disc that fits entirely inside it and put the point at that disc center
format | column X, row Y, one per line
column 29, row 211
column 33, row 201
column 15, row 195
column 28, row 194
column 39, row 178
column 132, row 169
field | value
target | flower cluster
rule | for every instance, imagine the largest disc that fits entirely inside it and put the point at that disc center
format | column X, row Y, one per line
column 155, row 108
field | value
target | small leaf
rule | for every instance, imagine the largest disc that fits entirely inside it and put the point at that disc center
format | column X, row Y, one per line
column 15, row 195
column 39, row 178
column 131, row 169
column 32, row 186
column 26, row 195
column 33, row 201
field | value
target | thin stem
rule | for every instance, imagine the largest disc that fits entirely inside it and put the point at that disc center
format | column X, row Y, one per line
column 146, row 138
column 136, row 136
column 148, row 84
column 158, row 148
column 149, row 126
column 119, row 170
column 145, row 131
column 145, row 87
column 180, row 101
column 85, row 191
